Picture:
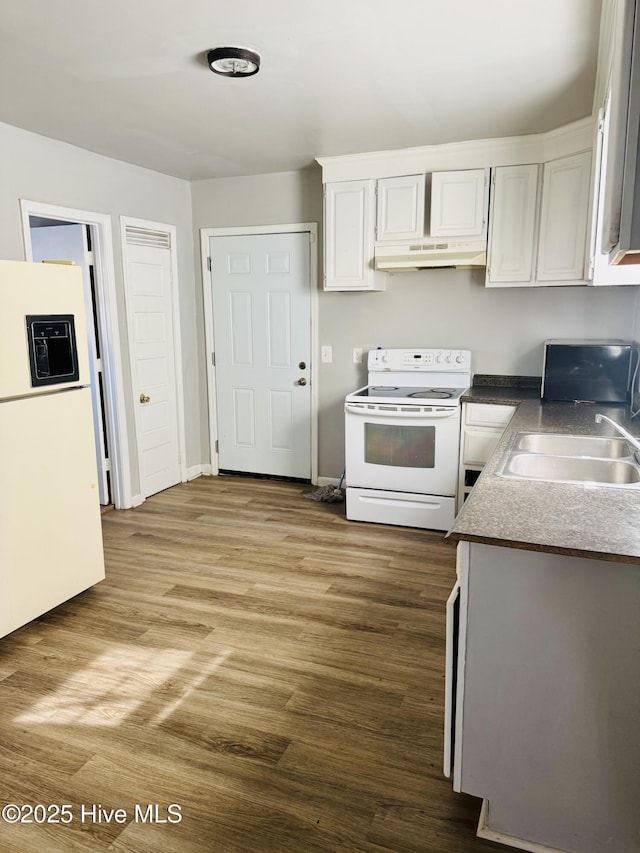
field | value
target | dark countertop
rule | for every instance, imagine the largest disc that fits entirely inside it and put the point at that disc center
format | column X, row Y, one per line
column 505, row 390
column 587, row 521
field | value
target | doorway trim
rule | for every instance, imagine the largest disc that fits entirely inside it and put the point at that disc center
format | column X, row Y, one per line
column 171, row 231
column 108, row 329
column 207, row 284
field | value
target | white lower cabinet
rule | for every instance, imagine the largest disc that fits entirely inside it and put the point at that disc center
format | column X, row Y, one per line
column 543, row 699
column 482, row 427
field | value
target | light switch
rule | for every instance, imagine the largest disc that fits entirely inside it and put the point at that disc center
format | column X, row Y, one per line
column 326, row 354
column 357, row 355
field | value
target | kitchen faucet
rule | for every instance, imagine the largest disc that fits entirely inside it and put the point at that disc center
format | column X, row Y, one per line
column 633, row 441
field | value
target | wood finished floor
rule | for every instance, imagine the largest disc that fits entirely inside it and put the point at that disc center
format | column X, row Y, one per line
column 276, row 671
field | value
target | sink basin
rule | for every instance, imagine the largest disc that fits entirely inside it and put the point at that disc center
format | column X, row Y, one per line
column 571, row 469
column 572, row 445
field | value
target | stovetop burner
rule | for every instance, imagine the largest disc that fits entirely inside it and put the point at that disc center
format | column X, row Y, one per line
column 433, row 394
column 408, row 393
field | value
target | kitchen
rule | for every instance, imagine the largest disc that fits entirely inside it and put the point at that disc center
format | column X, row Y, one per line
column 504, row 329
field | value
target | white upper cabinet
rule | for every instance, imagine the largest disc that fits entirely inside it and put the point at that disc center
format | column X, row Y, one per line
column 613, row 97
column 564, row 214
column 538, row 223
column 513, row 224
column 458, row 207
column 349, row 228
column 400, row 214
column 605, row 273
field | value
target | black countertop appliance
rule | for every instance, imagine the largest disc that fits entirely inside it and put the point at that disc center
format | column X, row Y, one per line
column 595, row 371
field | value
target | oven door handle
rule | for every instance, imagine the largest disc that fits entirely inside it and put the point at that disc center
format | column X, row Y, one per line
column 424, row 414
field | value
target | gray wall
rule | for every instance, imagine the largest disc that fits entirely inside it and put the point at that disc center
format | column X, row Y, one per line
column 40, row 169
column 504, row 327
column 275, row 199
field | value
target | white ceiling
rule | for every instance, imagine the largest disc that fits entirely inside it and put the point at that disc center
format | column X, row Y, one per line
column 129, row 79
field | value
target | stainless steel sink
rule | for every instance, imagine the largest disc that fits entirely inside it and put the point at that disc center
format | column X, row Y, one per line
column 560, row 458
column 572, row 445
column 567, row 469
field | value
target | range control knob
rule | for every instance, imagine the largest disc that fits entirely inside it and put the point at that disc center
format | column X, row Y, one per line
column 447, row 358
column 386, row 356
column 459, row 358
column 438, row 358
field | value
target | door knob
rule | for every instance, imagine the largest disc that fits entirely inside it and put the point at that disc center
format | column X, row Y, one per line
column 302, row 381
column 302, row 365
column 144, row 398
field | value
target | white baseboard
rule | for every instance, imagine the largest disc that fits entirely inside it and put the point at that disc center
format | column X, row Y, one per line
column 196, row 471
column 509, row 840
column 328, row 481
column 136, row 500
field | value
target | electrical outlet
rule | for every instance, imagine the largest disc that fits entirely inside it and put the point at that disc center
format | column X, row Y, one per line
column 357, row 355
column 326, row 355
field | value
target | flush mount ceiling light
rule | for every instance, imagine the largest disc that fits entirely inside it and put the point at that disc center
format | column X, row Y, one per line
column 233, row 61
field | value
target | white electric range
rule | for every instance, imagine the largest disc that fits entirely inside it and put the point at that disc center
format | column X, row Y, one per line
column 402, row 437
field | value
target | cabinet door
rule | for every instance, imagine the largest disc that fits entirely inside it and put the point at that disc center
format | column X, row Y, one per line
column 478, row 445
column 563, row 218
column 400, row 208
column 494, row 415
column 458, row 203
column 512, row 224
column 603, row 272
column 349, row 211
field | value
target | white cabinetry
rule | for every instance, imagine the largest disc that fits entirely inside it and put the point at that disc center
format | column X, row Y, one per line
column 400, row 209
column 458, row 203
column 542, row 706
column 538, row 224
column 604, row 272
column 537, row 218
column 349, row 217
column 482, row 426
column 563, row 218
column 513, row 224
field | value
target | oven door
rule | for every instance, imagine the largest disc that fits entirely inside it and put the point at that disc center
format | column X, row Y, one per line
column 402, row 448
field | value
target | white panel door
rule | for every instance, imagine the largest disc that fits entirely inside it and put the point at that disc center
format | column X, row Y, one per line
column 563, row 218
column 400, row 210
column 262, row 334
column 458, row 203
column 150, row 316
column 513, row 224
column 349, row 236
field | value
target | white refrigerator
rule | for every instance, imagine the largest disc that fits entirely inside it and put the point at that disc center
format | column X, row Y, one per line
column 50, row 530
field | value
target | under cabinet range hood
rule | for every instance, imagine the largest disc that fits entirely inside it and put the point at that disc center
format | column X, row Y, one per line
column 430, row 253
